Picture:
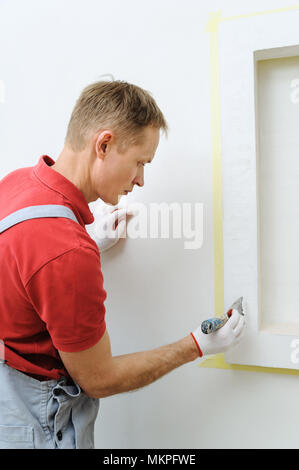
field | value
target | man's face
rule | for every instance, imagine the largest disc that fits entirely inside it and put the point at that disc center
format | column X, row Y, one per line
column 117, row 172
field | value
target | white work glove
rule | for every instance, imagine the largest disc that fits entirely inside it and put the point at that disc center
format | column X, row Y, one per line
column 220, row 340
column 109, row 226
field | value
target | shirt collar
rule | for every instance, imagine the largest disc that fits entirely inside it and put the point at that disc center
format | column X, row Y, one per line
column 57, row 182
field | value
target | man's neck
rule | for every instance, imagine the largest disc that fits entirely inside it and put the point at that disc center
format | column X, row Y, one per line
column 73, row 166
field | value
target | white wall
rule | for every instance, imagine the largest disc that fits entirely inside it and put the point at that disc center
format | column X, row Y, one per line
column 157, row 291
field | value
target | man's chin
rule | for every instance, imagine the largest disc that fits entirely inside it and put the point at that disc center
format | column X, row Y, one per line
column 115, row 201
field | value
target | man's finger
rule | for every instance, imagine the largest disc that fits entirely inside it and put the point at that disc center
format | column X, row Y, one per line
column 240, row 326
column 118, row 214
column 121, row 228
column 234, row 319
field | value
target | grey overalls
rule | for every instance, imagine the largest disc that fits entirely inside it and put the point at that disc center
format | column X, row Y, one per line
column 50, row 414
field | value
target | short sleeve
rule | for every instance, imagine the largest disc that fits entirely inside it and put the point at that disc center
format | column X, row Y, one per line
column 68, row 295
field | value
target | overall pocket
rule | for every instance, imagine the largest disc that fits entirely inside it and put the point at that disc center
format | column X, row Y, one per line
column 16, row 437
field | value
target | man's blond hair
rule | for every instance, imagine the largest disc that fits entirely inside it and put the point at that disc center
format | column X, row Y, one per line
column 117, row 105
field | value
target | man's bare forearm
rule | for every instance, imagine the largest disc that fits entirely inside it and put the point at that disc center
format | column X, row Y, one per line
column 133, row 371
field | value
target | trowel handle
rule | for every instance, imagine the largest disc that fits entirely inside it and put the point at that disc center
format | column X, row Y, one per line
column 213, row 324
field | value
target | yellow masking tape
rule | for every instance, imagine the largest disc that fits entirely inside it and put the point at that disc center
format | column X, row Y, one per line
column 218, row 361
column 216, row 172
column 266, row 12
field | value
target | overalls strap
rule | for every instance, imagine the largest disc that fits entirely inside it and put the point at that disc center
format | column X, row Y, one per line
column 36, row 212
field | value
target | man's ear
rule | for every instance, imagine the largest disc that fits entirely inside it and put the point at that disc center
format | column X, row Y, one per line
column 102, row 143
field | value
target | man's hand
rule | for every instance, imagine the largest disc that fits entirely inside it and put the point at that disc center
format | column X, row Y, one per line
column 109, row 226
column 223, row 339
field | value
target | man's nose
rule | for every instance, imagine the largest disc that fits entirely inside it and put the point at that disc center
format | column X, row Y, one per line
column 139, row 180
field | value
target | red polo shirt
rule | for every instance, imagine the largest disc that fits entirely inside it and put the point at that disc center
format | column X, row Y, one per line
column 51, row 284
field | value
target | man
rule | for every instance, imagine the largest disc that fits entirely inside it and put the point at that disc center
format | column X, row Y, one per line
column 58, row 360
